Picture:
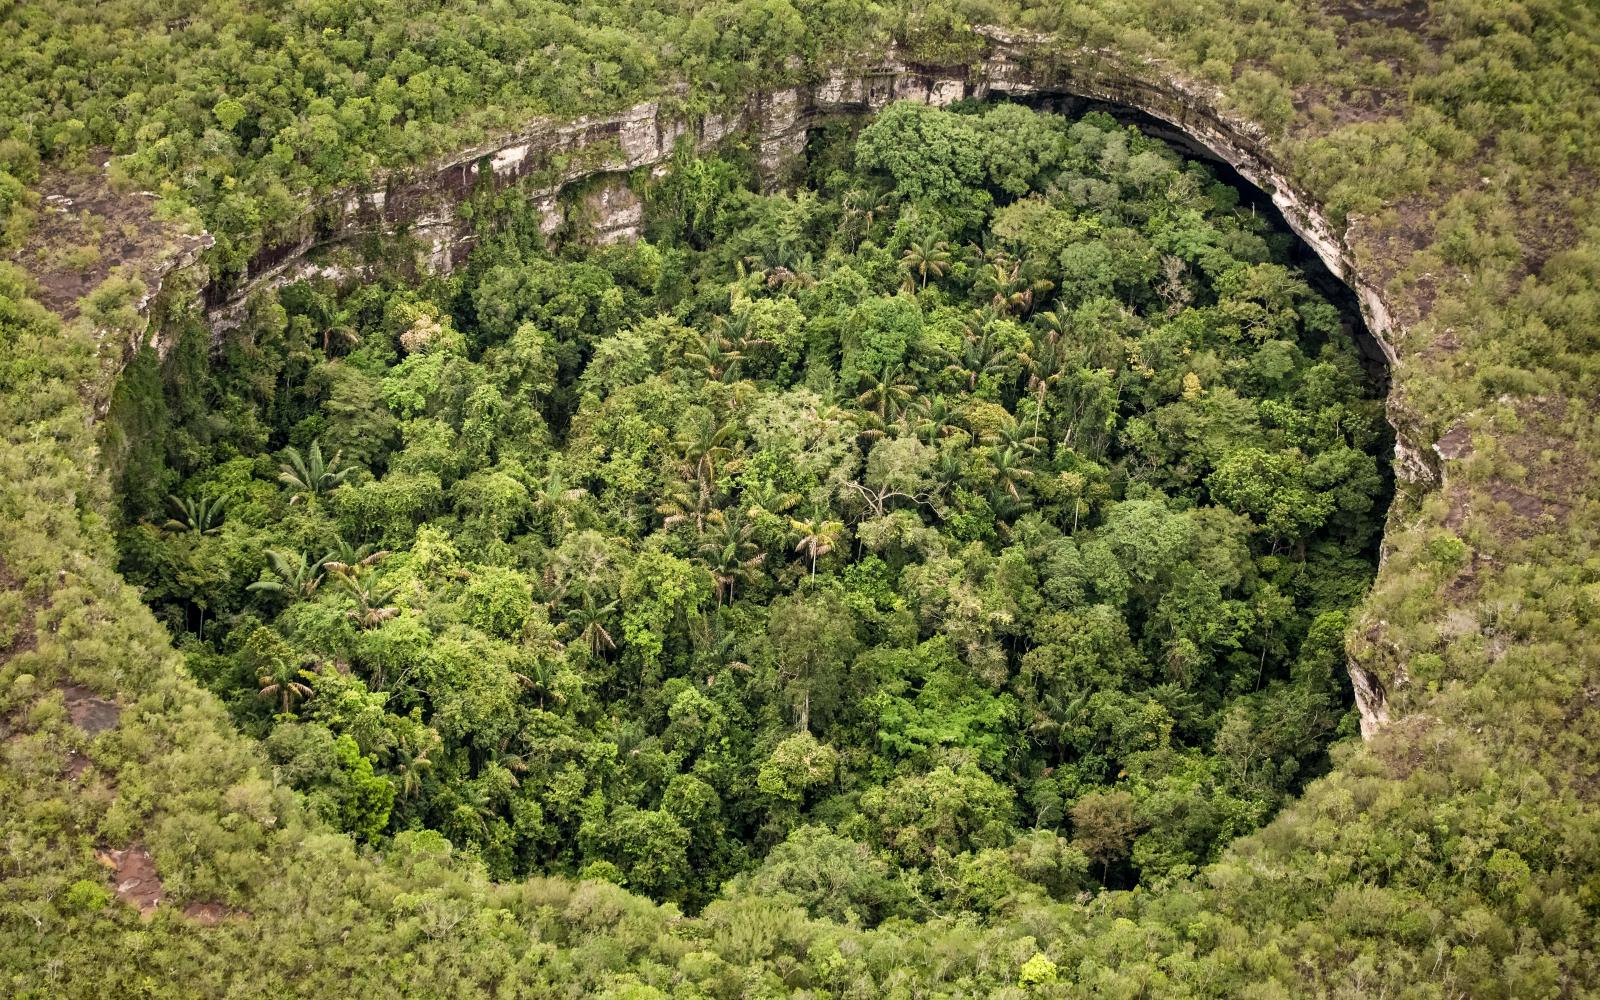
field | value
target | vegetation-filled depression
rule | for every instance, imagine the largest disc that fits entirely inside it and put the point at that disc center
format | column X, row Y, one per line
column 982, row 517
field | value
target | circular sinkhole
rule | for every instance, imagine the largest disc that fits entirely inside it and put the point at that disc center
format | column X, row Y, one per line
column 981, row 517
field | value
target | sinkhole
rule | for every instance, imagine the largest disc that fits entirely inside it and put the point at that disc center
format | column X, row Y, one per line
column 978, row 515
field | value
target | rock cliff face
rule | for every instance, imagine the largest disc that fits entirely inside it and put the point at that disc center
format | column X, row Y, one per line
column 549, row 156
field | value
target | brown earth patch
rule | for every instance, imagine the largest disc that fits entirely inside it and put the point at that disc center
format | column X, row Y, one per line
column 90, row 712
column 134, row 879
column 1550, row 483
column 133, row 876
column 1555, row 479
column 84, row 230
column 1523, row 504
column 1466, row 583
column 1411, row 17
column 77, row 763
column 1392, row 245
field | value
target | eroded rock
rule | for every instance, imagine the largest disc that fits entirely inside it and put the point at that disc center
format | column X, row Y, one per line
column 1372, row 701
column 90, row 712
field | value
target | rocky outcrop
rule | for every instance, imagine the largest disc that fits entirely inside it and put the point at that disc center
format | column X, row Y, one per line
column 548, row 157
column 1372, row 702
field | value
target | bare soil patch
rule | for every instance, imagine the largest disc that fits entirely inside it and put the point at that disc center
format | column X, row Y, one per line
column 85, row 230
column 1411, row 17
column 90, row 712
column 77, row 763
column 134, row 879
column 133, row 876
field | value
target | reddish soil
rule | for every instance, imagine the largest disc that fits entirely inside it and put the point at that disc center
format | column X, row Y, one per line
column 77, row 763
column 134, row 877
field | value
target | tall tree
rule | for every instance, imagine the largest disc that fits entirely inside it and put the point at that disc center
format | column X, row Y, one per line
column 308, row 475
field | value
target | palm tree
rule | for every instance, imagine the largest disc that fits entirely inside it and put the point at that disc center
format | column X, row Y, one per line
column 717, row 355
column 1006, row 511
column 202, row 516
column 802, row 274
column 415, row 763
column 343, row 559
column 555, row 500
column 706, row 450
column 870, row 426
column 339, row 333
column 308, row 476
column 936, row 418
column 888, row 394
column 470, row 819
column 766, row 498
column 1045, row 357
column 862, row 208
column 1039, row 387
column 1056, row 715
column 682, row 500
column 372, row 599
column 924, row 257
column 951, row 466
column 282, row 680
column 734, row 328
column 718, row 646
column 981, row 354
column 1016, row 437
column 1010, row 473
column 589, row 620
column 817, row 537
column 730, row 553
column 296, row 575
column 1054, row 322
column 1014, row 289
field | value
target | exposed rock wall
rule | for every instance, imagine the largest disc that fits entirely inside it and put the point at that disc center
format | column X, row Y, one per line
column 549, row 156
